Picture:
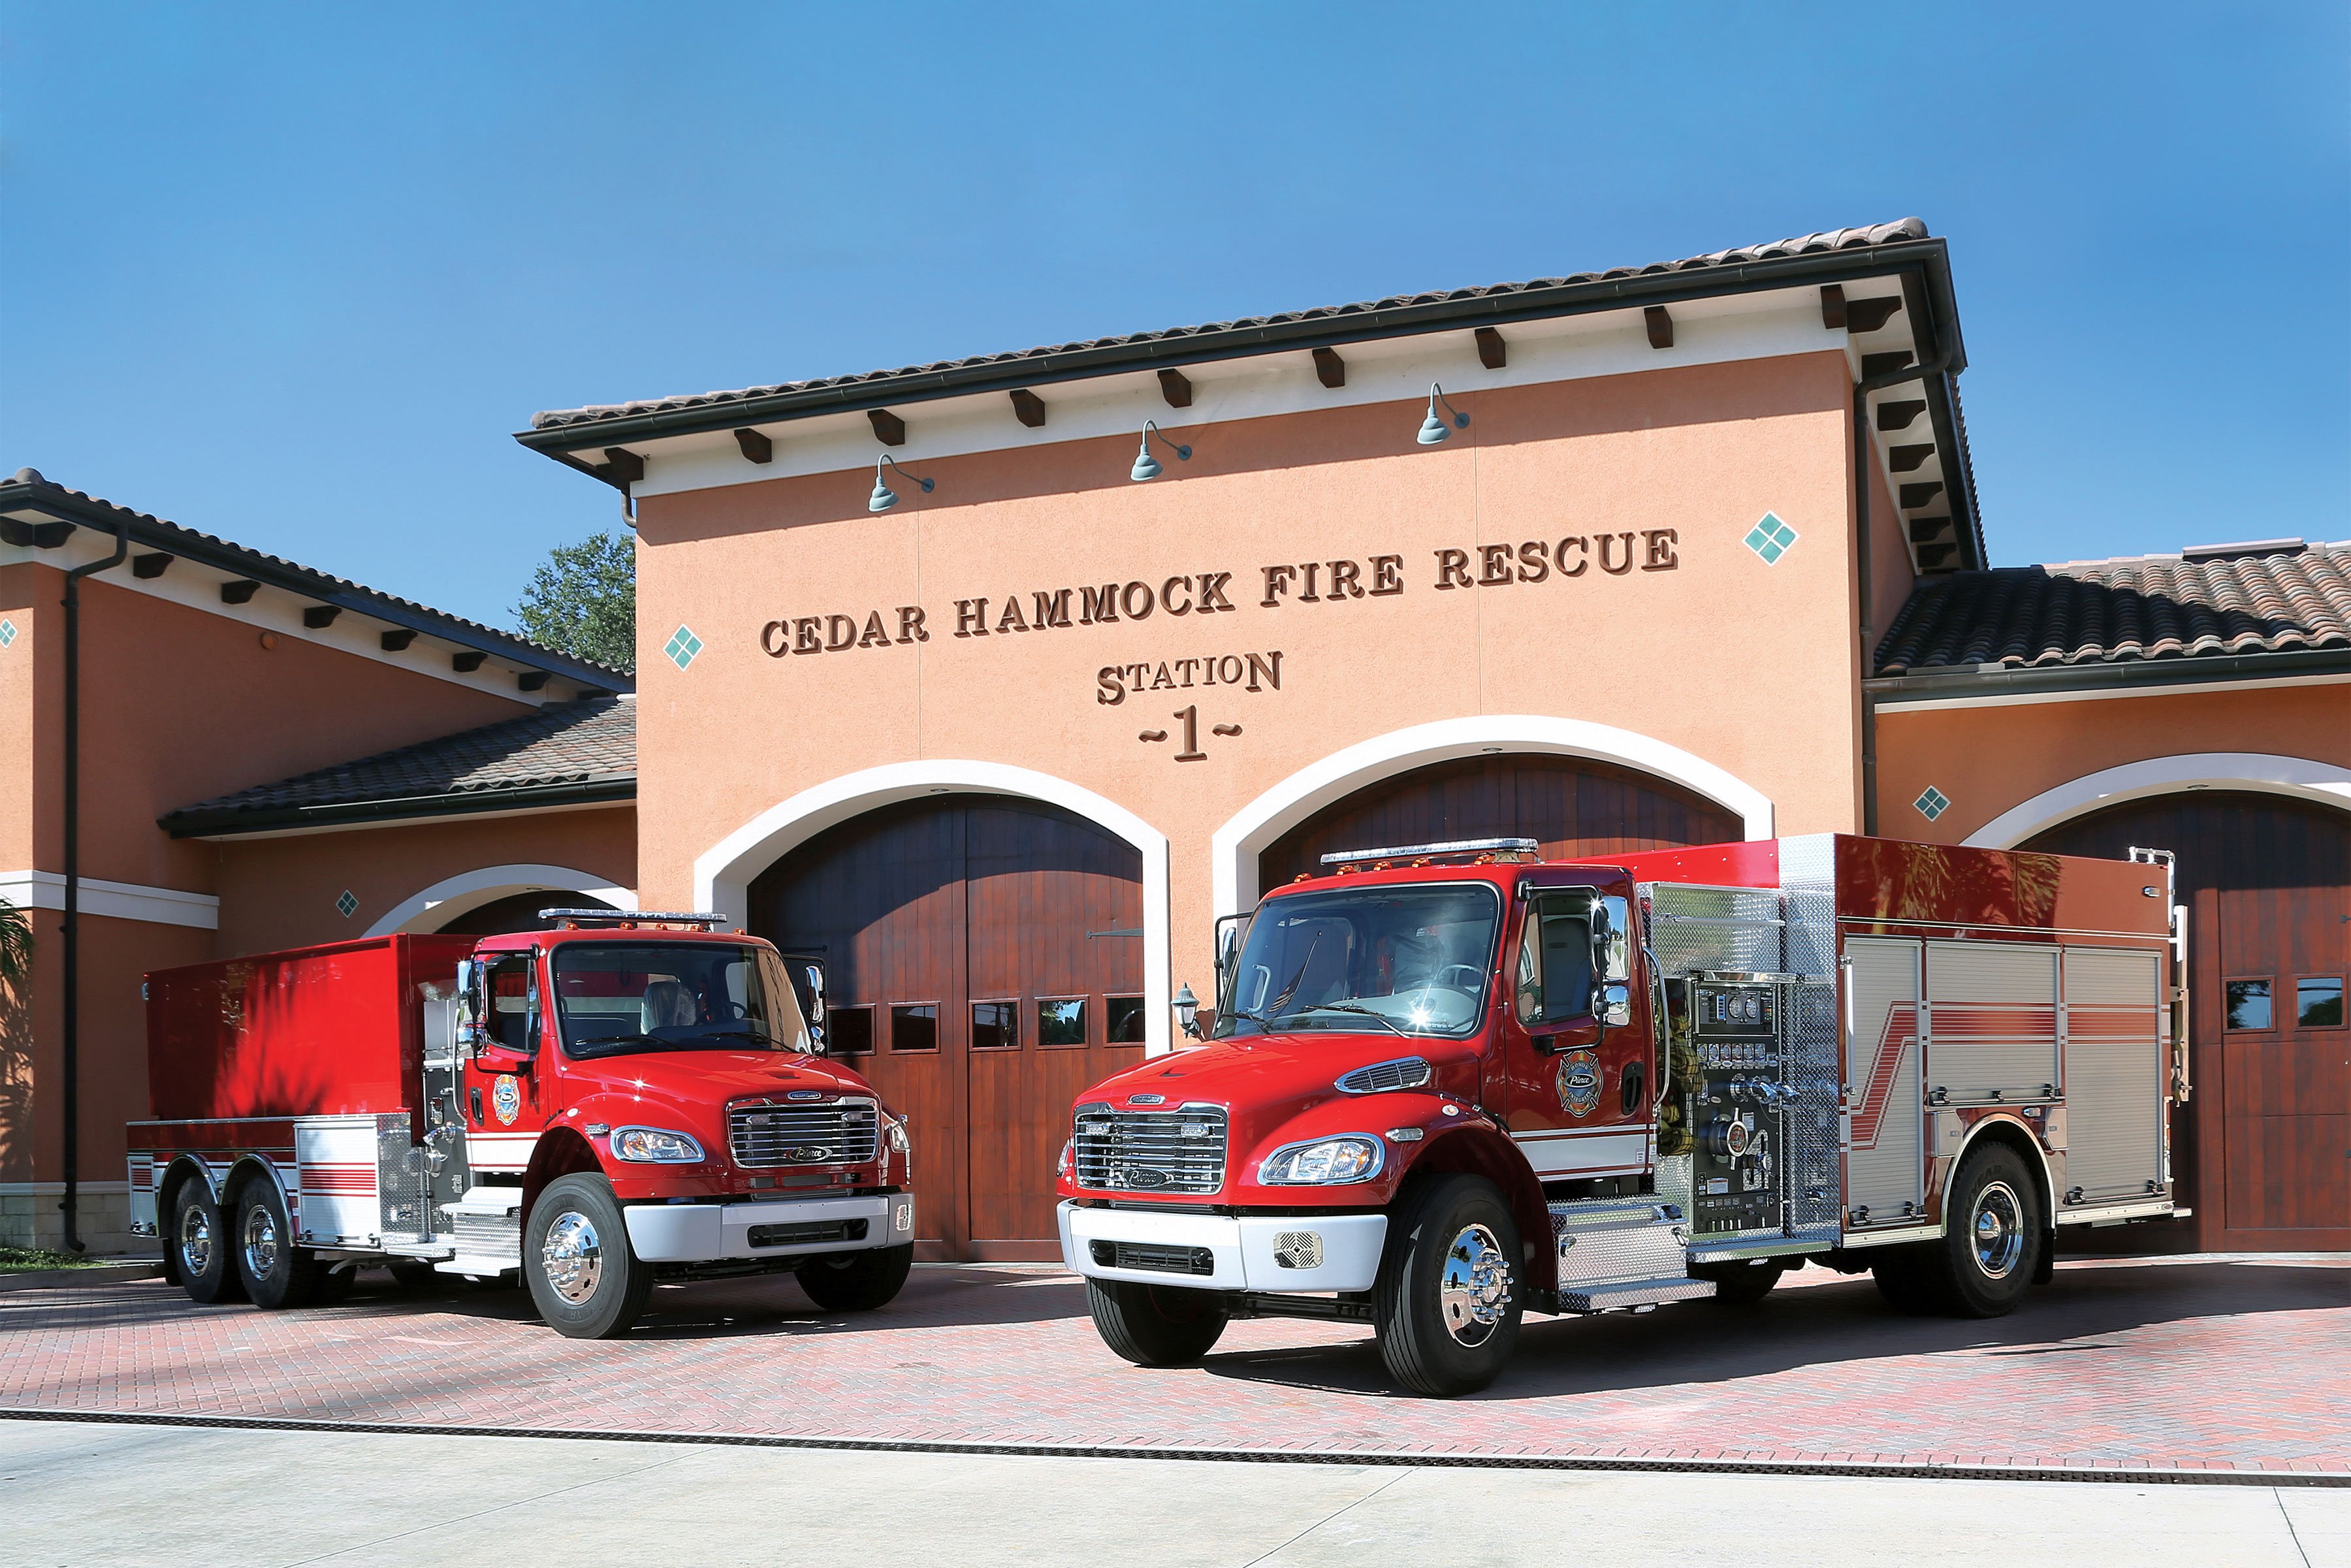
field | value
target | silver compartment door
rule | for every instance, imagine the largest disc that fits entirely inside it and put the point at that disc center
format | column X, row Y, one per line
column 2115, row 1091
column 1885, row 1113
column 1991, row 1023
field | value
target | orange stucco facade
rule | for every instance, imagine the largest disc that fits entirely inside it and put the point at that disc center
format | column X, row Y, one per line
column 1663, row 623
column 1989, row 758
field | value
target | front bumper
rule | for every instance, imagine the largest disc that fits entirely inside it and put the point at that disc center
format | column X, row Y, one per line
column 1241, row 1252
column 710, row 1232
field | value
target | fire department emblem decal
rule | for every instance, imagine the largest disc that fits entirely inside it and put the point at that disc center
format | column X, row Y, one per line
column 1579, row 1082
column 505, row 1098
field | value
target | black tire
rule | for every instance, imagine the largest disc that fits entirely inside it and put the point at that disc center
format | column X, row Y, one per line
column 199, row 1239
column 584, row 1280
column 275, row 1272
column 1155, row 1325
column 415, row 1273
column 1994, row 1238
column 1448, row 1303
column 1742, row 1284
column 856, row 1281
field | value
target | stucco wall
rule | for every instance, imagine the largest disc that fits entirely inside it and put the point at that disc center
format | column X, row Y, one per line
column 1749, row 667
column 281, row 892
column 1986, row 759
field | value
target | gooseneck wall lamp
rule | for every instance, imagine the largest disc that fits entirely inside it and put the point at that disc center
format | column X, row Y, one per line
column 885, row 497
column 1146, row 466
column 1433, row 429
column 1187, row 1012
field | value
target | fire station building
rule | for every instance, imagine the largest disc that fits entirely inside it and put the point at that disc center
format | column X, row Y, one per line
column 996, row 682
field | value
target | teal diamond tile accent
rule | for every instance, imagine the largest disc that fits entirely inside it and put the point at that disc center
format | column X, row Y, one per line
column 8, row 632
column 1771, row 539
column 682, row 646
column 1933, row 803
column 346, row 904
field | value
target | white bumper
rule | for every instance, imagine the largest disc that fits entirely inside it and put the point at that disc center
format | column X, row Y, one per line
column 706, row 1232
column 1241, row 1252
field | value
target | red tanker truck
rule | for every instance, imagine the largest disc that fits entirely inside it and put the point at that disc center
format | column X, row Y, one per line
column 624, row 1100
column 1447, row 1084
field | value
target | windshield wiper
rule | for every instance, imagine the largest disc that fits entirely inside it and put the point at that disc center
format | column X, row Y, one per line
column 1354, row 1008
column 624, row 1039
column 752, row 1030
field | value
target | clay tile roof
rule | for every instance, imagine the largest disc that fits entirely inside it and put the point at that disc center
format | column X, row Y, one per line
column 584, row 746
column 29, row 488
column 1906, row 229
column 2277, row 597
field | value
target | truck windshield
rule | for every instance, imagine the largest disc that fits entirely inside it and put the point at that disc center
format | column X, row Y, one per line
column 1407, row 960
column 615, row 997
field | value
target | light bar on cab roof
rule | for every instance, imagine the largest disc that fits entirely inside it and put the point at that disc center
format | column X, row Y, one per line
column 1431, row 852
column 634, row 917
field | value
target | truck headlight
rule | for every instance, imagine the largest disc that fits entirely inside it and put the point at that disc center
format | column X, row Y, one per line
column 1325, row 1162
column 653, row 1145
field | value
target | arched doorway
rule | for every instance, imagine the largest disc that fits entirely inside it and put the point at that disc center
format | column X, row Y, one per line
column 1572, row 806
column 985, row 957
column 2267, row 882
column 518, row 911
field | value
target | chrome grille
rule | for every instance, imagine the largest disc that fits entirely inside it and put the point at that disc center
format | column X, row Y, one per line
column 1150, row 1151
column 1404, row 1072
column 840, row 1132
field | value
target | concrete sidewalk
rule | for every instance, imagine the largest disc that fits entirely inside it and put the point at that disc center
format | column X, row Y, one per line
column 90, row 1495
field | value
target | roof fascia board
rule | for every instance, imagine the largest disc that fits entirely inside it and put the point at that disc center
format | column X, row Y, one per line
column 1928, row 256
column 220, row 824
column 1894, row 691
column 239, row 561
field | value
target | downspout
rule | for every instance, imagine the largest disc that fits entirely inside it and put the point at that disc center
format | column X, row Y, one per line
column 71, row 1045
column 1863, row 468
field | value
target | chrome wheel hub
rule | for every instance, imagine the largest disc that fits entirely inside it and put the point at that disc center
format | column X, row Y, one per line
column 195, row 1240
column 260, row 1241
column 573, row 1256
column 1999, row 1227
column 1474, row 1293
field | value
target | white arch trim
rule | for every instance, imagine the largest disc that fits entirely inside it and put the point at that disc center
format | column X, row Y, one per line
column 1253, row 829
column 468, row 890
column 2327, row 783
column 723, row 874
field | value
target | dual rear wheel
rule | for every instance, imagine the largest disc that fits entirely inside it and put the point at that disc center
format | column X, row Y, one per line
column 243, row 1249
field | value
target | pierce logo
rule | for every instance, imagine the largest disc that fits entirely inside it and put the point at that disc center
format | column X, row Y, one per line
column 505, row 1098
column 1579, row 1082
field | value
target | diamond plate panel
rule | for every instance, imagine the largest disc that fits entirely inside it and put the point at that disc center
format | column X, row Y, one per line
column 399, row 1179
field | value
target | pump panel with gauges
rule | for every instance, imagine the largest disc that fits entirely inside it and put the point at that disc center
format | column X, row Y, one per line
column 1736, row 1106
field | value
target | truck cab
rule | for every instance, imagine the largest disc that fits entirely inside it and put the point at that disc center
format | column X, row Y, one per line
column 1449, row 1082
column 637, row 1098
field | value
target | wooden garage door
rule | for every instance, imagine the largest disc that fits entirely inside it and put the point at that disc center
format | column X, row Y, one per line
column 2266, row 1140
column 1573, row 808
column 985, row 959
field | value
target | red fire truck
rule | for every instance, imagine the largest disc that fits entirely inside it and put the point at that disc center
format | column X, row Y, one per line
column 620, row 1100
column 1449, row 1082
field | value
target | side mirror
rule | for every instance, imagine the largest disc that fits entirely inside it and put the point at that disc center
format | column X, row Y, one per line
column 469, row 1033
column 1617, row 1005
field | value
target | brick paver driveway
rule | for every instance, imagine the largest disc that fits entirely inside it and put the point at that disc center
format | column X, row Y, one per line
column 2237, row 1364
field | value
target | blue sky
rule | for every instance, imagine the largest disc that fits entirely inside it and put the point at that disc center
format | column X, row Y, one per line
column 294, row 275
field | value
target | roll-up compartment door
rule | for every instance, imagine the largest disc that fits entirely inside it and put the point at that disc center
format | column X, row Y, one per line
column 2114, row 1090
column 1991, row 1023
column 1885, row 1159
